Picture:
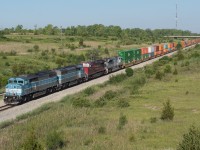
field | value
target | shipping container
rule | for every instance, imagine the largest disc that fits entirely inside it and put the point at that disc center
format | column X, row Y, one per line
column 145, row 56
column 126, row 55
column 151, row 49
column 151, row 55
column 144, row 50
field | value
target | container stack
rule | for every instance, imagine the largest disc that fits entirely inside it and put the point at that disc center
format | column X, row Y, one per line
column 145, row 54
column 151, row 51
column 137, row 53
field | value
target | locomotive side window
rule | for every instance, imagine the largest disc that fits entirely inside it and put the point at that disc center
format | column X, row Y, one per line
column 20, row 82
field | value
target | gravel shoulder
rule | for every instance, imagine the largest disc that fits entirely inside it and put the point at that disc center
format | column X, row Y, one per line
column 30, row 106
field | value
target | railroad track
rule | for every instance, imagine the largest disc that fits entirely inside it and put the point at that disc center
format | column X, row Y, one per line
column 5, row 107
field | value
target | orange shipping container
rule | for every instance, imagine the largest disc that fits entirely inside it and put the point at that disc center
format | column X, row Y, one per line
column 144, row 50
column 161, row 47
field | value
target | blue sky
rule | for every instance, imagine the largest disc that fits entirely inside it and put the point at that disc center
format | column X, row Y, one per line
column 143, row 14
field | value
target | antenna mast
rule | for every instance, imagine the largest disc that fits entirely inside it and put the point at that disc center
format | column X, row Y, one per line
column 176, row 16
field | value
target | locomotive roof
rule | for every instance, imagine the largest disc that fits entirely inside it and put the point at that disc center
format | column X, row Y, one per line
column 39, row 74
column 69, row 67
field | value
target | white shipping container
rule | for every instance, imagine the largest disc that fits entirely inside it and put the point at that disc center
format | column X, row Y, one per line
column 150, row 49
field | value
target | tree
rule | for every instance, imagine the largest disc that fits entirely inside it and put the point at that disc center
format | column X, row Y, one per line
column 167, row 112
column 191, row 140
column 19, row 28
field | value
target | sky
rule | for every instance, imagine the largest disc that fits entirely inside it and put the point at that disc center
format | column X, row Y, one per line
column 152, row 14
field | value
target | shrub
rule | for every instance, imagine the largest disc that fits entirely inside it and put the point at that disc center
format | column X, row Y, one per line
column 87, row 142
column 132, row 138
column 100, row 102
column 109, row 95
column 168, row 69
column 54, row 140
column 7, row 64
column 167, row 112
column 4, row 57
column 123, row 103
column 175, row 63
column 191, row 140
column 175, row 72
column 129, row 72
column 153, row 119
column 89, row 91
column 180, row 55
column 31, row 142
column 159, row 75
column 106, row 51
column 122, row 122
column 117, row 79
column 36, row 48
column 102, row 130
column 30, row 50
column 187, row 63
column 81, row 102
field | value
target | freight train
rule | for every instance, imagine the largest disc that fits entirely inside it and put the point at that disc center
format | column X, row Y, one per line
column 27, row 87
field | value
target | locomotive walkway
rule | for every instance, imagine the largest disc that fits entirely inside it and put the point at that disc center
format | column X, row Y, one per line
column 13, row 112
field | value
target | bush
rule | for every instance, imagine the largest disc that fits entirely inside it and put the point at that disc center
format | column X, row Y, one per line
column 4, row 57
column 180, row 55
column 102, row 130
column 191, row 140
column 187, row 63
column 7, row 64
column 89, row 91
column 175, row 72
column 167, row 112
column 153, row 119
column 129, row 72
column 122, row 122
column 30, row 50
column 117, row 79
column 36, row 48
column 81, row 102
column 123, row 103
column 109, row 95
column 54, row 140
column 159, row 75
column 168, row 69
column 175, row 63
column 31, row 142
column 100, row 102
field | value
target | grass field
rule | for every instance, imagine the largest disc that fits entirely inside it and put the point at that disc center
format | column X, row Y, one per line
column 90, row 119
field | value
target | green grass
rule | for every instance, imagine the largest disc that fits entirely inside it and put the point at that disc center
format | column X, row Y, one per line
column 89, row 127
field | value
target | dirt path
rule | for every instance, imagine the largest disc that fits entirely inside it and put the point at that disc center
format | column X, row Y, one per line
column 21, row 109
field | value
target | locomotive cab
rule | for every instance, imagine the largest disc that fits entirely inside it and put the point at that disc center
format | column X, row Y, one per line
column 14, row 90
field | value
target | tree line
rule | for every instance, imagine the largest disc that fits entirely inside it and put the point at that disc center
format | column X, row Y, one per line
column 99, row 30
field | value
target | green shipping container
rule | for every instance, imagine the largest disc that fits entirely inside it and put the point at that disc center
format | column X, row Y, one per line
column 145, row 56
column 127, row 56
column 137, row 54
column 131, row 55
column 137, row 57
